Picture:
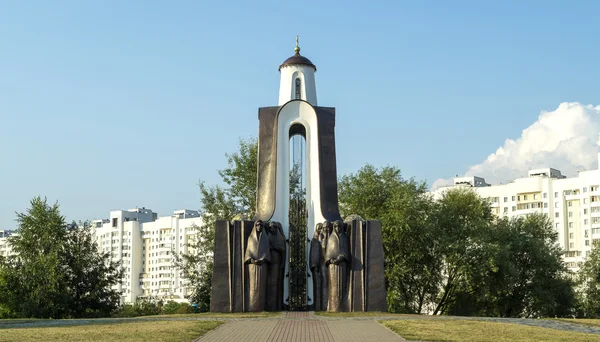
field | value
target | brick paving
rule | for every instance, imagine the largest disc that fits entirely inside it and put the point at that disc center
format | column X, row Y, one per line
column 300, row 327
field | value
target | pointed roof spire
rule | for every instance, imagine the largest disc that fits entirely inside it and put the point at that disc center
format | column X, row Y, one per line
column 297, row 48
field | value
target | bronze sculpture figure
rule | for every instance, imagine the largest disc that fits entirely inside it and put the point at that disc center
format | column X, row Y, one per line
column 277, row 248
column 336, row 259
column 258, row 256
column 316, row 257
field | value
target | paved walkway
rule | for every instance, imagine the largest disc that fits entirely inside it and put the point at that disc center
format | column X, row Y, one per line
column 300, row 327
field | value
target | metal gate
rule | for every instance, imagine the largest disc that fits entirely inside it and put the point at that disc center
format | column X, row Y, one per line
column 297, row 243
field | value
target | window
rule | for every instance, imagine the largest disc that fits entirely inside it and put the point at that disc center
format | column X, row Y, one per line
column 555, row 204
column 571, row 245
column 298, row 88
column 555, row 214
column 570, row 224
column 545, row 205
column 585, row 222
column 513, row 198
column 545, row 195
column 514, row 208
column 586, row 233
column 557, row 224
column 534, row 196
column 570, row 214
column 571, row 235
column 505, row 199
column 570, row 204
column 587, row 242
column 556, row 194
column 506, row 210
column 584, row 189
column 584, row 211
column 524, row 197
column 115, row 221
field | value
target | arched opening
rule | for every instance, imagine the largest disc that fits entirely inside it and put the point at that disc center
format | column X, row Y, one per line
column 298, row 89
column 298, row 219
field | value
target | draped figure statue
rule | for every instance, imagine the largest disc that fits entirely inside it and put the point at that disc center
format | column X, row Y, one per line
column 324, row 238
column 337, row 257
column 258, row 256
column 316, row 257
column 277, row 249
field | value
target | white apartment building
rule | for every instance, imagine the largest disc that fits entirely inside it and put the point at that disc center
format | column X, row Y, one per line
column 572, row 203
column 145, row 244
column 5, row 247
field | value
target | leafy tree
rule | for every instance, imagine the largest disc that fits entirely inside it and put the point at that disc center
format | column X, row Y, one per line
column 55, row 270
column 90, row 274
column 525, row 276
column 409, row 239
column 241, row 176
column 589, row 285
column 462, row 222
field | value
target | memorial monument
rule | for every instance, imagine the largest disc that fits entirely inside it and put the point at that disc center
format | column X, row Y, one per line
column 297, row 254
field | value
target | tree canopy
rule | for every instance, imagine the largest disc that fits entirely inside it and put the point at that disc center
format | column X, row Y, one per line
column 55, row 270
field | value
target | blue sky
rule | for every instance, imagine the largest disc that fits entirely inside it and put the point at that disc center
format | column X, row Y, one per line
column 114, row 104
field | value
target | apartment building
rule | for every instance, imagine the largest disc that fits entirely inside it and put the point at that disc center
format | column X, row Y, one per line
column 5, row 248
column 573, row 204
column 145, row 245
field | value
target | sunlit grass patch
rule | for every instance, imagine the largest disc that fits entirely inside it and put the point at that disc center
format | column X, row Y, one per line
column 126, row 331
column 478, row 331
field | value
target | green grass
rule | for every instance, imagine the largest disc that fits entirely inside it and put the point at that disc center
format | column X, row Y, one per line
column 127, row 331
column 448, row 330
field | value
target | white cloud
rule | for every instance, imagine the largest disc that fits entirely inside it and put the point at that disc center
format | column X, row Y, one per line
column 566, row 139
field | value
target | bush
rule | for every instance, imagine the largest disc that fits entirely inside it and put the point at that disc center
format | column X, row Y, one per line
column 171, row 307
column 126, row 310
column 184, row 308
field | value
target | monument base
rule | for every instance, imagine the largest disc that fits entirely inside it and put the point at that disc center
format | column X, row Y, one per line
column 366, row 280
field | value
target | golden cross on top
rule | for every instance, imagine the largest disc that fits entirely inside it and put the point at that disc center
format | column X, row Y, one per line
column 297, row 48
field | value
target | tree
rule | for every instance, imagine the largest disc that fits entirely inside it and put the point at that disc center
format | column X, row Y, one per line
column 462, row 222
column 525, row 275
column 529, row 278
column 412, row 268
column 90, row 274
column 589, row 285
column 55, row 271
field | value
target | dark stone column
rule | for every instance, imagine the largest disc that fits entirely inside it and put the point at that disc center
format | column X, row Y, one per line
column 229, row 290
column 375, row 274
column 367, row 278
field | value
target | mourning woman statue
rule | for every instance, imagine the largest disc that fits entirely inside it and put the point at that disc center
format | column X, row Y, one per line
column 315, row 267
column 327, row 229
column 258, row 256
column 337, row 258
column 277, row 248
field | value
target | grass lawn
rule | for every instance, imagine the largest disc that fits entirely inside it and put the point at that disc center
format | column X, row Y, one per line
column 168, row 331
column 477, row 331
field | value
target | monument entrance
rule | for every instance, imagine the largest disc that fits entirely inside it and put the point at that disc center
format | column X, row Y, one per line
column 298, row 223
column 297, row 253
